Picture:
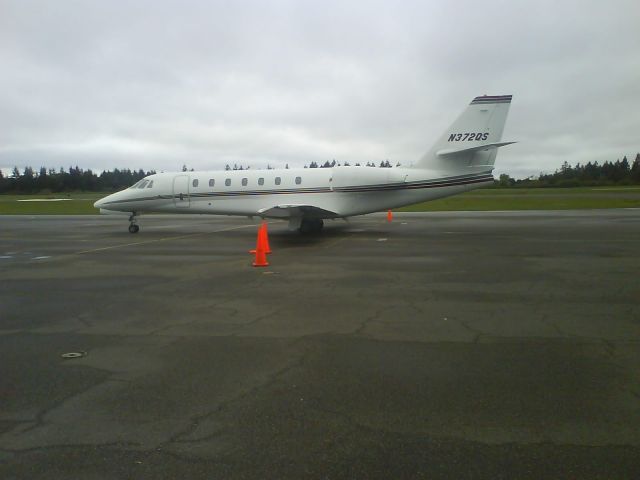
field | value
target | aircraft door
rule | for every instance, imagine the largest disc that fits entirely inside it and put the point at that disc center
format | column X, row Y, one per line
column 181, row 191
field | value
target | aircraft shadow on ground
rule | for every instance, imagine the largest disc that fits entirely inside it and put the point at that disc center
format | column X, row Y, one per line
column 332, row 231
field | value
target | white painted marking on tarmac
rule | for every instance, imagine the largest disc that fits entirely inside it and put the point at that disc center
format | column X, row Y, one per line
column 41, row 257
column 45, row 200
column 382, row 239
column 5, row 256
column 145, row 242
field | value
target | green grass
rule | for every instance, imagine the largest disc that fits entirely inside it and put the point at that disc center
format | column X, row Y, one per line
column 78, row 203
column 81, row 203
column 535, row 199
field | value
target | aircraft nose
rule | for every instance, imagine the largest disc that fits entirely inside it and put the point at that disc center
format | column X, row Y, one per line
column 102, row 201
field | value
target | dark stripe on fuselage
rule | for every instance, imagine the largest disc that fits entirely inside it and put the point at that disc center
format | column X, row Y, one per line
column 443, row 182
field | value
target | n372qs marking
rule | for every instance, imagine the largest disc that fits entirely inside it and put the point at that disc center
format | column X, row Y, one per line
column 462, row 137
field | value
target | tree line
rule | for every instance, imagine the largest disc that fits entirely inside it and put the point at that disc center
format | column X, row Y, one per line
column 76, row 179
column 620, row 172
column 333, row 163
column 327, row 164
column 73, row 179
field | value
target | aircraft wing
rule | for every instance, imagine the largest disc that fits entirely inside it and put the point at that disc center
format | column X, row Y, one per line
column 288, row 211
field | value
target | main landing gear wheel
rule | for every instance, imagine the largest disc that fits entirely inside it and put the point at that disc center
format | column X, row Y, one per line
column 133, row 226
column 311, row 225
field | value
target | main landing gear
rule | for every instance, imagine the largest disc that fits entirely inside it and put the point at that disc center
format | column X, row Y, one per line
column 311, row 225
column 133, row 225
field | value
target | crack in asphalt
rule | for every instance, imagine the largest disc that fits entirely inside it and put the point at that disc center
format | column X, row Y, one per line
column 195, row 421
column 477, row 333
column 376, row 315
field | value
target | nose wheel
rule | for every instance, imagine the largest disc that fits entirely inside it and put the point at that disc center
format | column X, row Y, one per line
column 133, row 225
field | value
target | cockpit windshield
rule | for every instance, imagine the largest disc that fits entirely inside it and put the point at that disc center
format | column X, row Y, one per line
column 142, row 184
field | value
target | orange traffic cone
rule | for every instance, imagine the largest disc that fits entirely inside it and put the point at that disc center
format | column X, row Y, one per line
column 261, row 258
column 389, row 216
column 262, row 239
column 261, row 255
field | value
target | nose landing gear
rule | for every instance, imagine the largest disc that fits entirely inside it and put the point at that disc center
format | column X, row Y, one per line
column 133, row 225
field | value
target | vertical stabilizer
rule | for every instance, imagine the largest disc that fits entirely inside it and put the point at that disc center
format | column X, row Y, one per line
column 471, row 142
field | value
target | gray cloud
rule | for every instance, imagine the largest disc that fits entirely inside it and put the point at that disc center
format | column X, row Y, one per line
column 154, row 85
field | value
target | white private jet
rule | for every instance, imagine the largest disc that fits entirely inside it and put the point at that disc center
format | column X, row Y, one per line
column 461, row 160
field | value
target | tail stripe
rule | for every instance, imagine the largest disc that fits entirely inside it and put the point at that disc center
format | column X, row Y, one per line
column 491, row 99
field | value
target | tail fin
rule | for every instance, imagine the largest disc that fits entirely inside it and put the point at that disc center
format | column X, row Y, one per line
column 472, row 141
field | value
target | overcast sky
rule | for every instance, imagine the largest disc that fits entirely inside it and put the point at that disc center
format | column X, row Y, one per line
column 157, row 84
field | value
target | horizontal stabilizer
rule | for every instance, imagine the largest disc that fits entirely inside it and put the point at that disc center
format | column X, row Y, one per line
column 288, row 211
column 478, row 148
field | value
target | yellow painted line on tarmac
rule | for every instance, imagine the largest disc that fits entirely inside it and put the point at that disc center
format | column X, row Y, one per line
column 165, row 239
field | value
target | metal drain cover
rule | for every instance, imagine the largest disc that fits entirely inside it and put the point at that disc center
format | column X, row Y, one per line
column 73, row 354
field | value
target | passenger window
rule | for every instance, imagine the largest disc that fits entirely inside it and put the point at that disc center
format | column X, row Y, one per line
column 298, row 180
column 212, row 182
column 227, row 182
column 278, row 180
column 195, row 182
column 143, row 184
column 150, row 184
column 244, row 182
column 261, row 181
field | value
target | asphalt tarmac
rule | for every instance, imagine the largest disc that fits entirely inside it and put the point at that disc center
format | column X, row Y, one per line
column 441, row 345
